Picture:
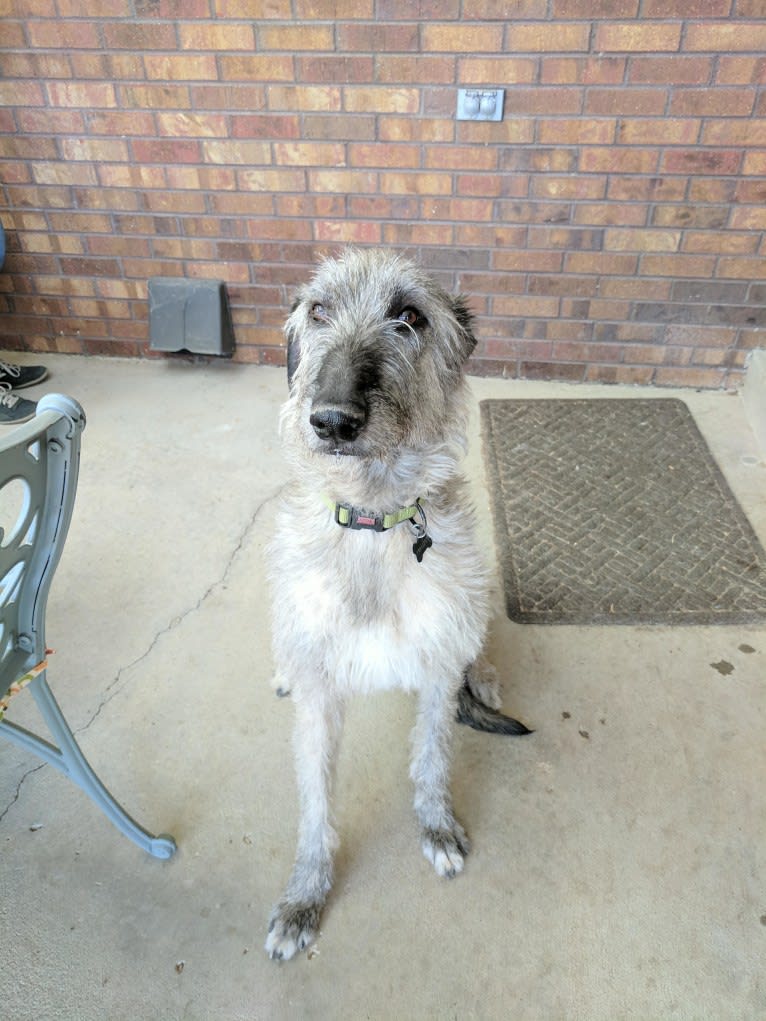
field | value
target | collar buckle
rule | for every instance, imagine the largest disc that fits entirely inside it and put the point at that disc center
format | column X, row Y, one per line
column 351, row 517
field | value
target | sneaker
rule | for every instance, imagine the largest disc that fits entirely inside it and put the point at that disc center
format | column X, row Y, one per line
column 14, row 409
column 19, row 376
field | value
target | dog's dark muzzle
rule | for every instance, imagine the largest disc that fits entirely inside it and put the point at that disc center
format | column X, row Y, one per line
column 339, row 409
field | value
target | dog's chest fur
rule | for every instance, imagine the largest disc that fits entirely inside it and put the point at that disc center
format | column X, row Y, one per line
column 362, row 610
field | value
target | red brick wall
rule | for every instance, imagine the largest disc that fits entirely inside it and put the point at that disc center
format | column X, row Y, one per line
column 611, row 227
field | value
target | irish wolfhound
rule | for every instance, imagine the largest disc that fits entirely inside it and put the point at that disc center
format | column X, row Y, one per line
column 377, row 581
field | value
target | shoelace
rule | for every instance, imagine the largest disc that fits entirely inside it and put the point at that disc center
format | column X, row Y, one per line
column 10, row 370
column 9, row 399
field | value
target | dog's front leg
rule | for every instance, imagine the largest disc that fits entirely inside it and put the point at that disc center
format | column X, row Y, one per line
column 444, row 841
column 295, row 920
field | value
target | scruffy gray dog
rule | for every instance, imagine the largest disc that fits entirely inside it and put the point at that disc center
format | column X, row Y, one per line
column 377, row 580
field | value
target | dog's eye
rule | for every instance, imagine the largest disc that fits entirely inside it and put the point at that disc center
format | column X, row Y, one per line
column 409, row 316
column 319, row 313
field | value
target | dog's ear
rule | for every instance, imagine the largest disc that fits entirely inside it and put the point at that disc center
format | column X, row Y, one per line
column 464, row 317
column 293, row 345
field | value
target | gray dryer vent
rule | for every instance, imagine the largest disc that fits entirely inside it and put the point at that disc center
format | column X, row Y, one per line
column 189, row 315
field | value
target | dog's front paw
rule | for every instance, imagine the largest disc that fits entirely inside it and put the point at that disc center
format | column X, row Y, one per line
column 292, row 928
column 446, row 849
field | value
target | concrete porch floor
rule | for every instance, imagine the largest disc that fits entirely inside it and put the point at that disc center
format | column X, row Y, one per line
column 619, row 862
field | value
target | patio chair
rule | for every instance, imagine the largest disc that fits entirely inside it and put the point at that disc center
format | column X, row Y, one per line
column 39, row 463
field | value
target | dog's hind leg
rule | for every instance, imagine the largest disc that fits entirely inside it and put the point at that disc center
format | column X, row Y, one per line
column 444, row 841
column 295, row 920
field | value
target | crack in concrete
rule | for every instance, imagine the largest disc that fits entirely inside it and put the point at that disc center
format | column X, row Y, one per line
column 114, row 687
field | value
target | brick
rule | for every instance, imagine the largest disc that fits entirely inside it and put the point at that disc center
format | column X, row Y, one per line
column 631, row 102
column 207, row 36
column 712, row 102
column 585, row 9
column 177, row 8
column 347, row 231
column 489, row 237
column 496, row 70
column 750, row 133
column 86, row 95
column 525, row 261
column 677, row 265
column 572, row 187
column 569, row 131
column 36, row 65
column 63, row 173
column 32, row 242
column 383, row 155
column 551, row 371
column 343, row 181
column 334, row 69
column 377, row 38
column 686, row 8
column 61, row 34
column 600, row 263
column 741, row 70
column 544, row 101
column 408, row 129
column 416, row 184
column 691, row 377
column 340, row 10
column 256, row 68
column 460, row 158
column 238, row 9
column 269, row 126
column 480, row 185
column 195, row 125
column 98, row 149
column 124, row 176
column 726, row 36
column 660, row 131
column 670, row 70
column 516, row 131
column 500, row 10
column 138, row 37
column 166, row 151
column 611, row 160
column 525, row 306
column 402, row 234
column 582, row 70
column 116, row 122
column 381, row 100
column 548, row 37
column 414, row 10
column 750, row 191
column 307, row 154
column 153, row 97
column 754, row 163
column 175, row 67
column 627, row 375
column 701, row 161
column 707, row 217
column 237, row 152
column 635, row 37
column 461, row 38
column 641, row 240
column 474, row 210
column 742, row 267
column 719, row 243
column 293, row 37
column 296, row 98
column 331, row 207
column 405, row 71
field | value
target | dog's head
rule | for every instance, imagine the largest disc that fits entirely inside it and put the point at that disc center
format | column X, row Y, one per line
column 375, row 352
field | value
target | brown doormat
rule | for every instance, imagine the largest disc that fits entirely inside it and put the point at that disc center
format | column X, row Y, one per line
column 614, row 512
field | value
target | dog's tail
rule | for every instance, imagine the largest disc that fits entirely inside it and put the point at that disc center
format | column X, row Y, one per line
column 476, row 714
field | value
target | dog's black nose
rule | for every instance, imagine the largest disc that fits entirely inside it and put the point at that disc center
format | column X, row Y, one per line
column 337, row 424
